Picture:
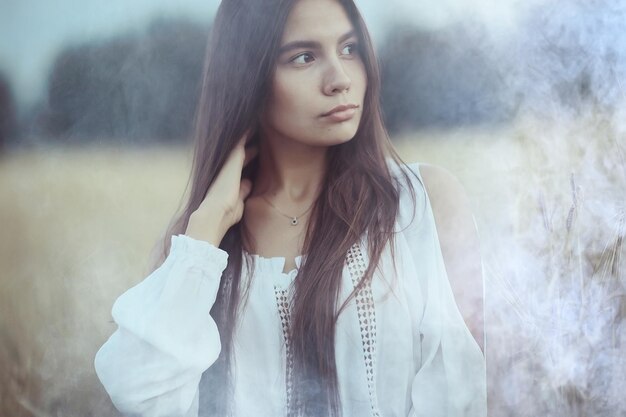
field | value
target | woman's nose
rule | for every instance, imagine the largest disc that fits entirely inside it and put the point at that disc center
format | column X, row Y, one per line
column 337, row 79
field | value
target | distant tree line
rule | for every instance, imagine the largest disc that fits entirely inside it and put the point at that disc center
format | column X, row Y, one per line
column 136, row 88
column 8, row 116
column 441, row 78
column 143, row 87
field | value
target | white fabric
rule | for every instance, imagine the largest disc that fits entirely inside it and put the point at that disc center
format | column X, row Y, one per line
column 426, row 361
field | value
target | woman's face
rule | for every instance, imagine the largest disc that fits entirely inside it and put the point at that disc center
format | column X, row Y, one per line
column 319, row 67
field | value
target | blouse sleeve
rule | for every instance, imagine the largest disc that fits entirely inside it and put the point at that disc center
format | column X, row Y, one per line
column 451, row 378
column 166, row 338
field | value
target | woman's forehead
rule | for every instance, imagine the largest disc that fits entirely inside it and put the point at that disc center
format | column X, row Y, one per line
column 316, row 20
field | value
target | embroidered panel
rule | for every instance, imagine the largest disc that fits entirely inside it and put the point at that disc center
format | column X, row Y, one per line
column 284, row 311
column 367, row 320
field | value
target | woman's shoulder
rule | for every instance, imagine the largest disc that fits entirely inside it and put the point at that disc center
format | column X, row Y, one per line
column 441, row 184
column 434, row 180
column 433, row 186
column 439, row 197
column 424, row 190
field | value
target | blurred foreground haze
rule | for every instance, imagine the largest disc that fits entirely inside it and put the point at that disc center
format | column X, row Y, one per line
column 524, row 102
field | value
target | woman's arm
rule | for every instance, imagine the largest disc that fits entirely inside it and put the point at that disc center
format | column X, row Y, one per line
column 166, row 338
column 450, row 379
column 460, row 246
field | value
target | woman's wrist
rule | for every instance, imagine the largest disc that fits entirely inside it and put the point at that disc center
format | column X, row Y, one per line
column 209, row 230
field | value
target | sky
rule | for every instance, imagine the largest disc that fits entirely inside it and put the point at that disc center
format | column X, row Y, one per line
column 33, row 31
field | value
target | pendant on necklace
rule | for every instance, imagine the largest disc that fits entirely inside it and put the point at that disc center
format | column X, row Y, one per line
column 294, row 221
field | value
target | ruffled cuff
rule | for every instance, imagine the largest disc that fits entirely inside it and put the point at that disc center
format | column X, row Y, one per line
column 208, row 253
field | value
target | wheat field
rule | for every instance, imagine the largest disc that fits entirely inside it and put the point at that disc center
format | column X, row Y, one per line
column 548, row 201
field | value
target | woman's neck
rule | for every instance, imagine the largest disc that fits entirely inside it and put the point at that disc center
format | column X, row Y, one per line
column 290, row 173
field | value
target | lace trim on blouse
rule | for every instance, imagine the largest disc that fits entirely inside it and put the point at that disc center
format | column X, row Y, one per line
column 366, row 313
column 367, row 320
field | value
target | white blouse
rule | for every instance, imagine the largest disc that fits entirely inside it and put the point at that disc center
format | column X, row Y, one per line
column 407, row 352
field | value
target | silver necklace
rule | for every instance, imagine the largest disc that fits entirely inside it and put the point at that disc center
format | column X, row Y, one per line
column 294, row 219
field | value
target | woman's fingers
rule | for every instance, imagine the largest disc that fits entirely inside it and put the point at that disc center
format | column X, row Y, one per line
column 245, row 188
column 223, row 204
column 250, row 152
column 243, row 140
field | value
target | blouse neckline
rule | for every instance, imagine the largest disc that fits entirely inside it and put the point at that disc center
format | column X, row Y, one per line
column 274, row 265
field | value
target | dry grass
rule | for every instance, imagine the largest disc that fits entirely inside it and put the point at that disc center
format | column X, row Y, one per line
column 568, row 285
column 79, row 225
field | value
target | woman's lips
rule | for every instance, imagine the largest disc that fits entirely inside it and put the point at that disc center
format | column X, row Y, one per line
column 342, row 113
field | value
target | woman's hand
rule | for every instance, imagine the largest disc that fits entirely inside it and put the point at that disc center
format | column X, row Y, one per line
column 224, row 202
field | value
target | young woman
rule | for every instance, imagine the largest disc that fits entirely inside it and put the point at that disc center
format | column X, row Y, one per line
column 305, row 275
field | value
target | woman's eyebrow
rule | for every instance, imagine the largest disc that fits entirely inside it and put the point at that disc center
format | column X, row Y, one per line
column 311, row 44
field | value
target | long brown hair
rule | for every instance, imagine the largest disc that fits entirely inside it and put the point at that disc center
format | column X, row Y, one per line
column 359, row 197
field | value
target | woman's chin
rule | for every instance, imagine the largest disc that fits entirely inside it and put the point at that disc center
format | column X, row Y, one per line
column 335, row 139
column 340, row 134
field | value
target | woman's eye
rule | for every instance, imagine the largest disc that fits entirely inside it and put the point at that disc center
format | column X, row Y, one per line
column 352, row 47
column 301, row 59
